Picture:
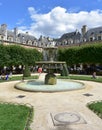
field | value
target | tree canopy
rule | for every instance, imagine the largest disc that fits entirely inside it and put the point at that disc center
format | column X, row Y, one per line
column 91, row 54
column 16, row 55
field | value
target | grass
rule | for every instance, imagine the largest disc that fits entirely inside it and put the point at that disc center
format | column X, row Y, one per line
column 13, row 78
column 81, row 77
column 96, row 107
column 75, row 77
column 13, row 117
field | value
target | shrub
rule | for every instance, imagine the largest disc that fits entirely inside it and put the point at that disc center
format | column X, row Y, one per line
column 64, row 71
column 26, row 72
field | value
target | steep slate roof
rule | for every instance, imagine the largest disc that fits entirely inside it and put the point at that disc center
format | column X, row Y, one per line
column 93, row 31
column 1, row 32
column 10, row 33
column 72, row 35
column 26, row 37
column 43, row 40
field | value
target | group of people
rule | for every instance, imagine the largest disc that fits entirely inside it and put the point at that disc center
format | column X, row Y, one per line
column 4, row 76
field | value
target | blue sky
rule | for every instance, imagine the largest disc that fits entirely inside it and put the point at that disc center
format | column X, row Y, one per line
column 50, row 17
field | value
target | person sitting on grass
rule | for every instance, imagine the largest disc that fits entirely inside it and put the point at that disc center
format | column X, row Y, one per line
column 3, row 76
column 94, row 75
column 7, row 77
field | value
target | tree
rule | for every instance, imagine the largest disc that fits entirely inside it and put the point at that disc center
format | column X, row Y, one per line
column 89, row 54
column 15, row 55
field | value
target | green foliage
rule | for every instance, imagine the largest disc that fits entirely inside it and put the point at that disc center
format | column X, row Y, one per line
column 90, row 54
column 64, row 71
column 31, row 55
column 26, row 72
column 69, row 55
column 17, row 55
column 4, row 56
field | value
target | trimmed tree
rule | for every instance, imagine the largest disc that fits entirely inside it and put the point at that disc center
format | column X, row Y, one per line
column 26, row 71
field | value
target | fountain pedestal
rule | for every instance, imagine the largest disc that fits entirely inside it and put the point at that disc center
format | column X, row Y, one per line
column 51, row 64
column 50, row 79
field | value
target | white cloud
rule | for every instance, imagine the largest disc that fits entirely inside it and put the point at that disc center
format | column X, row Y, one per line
column 59, row 21
column 24, row 29
column 20, row 21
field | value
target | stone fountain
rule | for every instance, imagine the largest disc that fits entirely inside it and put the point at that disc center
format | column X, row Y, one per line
column 50, row 83
column 51, row 64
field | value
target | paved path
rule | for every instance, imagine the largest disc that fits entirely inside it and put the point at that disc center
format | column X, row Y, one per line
column 46, row 103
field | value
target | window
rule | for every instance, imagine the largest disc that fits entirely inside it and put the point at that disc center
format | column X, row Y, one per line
column 23, row 37
column 10, row 39
column 2, row 37
column 92, row 33
column 100, row 32
column 99, row 37
column 91, row 39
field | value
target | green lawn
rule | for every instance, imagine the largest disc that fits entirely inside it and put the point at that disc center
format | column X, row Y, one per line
column 82, row 77
column 96, row 107
column 75, row 77
column 13, row 78
column 13, row 117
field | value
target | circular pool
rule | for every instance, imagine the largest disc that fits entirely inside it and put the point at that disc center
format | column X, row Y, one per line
column 39, row 86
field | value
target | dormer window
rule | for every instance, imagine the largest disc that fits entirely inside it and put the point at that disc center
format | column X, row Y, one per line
column 92, row 33
column 23, row 37
column 92, row 39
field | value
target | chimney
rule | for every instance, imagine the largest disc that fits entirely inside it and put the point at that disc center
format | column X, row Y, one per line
column 4, row 26
column 27, row 33
column 4, row 30
column 16, row 31
column 84, row 29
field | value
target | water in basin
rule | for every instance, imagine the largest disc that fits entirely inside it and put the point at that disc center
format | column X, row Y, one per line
column 39, row 86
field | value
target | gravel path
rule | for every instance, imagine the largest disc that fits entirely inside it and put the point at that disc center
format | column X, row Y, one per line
column 52, row 103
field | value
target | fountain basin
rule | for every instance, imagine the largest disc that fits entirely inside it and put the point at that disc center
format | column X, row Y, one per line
column 39, row 86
